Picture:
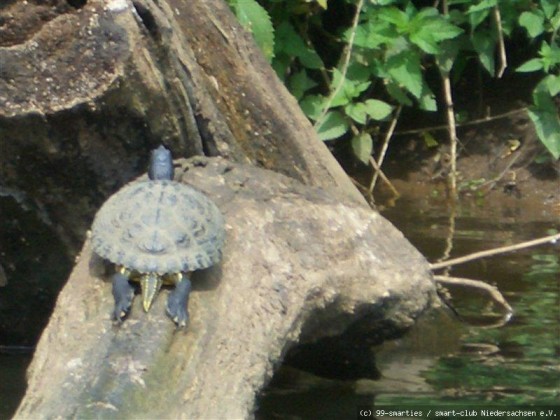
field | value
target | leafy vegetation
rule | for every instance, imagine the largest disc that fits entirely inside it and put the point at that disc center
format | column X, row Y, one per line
column 352, row 64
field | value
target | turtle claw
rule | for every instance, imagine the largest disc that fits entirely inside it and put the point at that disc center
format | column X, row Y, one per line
column 178, row 301
column 178, row 313
column 119, row 314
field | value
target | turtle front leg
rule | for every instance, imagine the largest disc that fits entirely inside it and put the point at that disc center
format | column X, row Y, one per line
column 123, row 292
column 179, row 299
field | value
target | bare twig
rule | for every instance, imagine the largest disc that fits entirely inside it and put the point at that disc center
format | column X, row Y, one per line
column 492, row 182
column 383, row 177
column 501, row 47
column 465, row 124
column 377, row 163
column 480, row 285
column 452, row 130
column 496, row 251
column 450, row 232
column 344, row 69
column 448, row 97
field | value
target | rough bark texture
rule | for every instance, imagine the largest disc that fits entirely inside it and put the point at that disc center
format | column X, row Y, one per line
column 298, row 265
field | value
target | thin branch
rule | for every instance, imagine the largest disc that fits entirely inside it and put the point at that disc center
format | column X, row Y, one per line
column 496, row 251
column 450, row 112
column 492, row 182
column 452, row 134
column 501, row 47
column 344, row 69
column 450, row 232
column 480, row 285
column 465, row 124
column 377, row 163
column 383, row 177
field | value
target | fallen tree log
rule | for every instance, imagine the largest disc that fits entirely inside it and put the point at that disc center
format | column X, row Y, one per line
column 298, row 265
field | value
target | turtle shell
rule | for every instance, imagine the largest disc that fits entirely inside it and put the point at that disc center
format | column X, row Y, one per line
column 159, row 227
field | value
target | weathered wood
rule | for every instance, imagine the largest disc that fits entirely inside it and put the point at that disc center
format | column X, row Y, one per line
column 298, row 265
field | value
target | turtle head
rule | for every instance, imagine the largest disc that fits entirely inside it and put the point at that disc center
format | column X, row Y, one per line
column 161, row 164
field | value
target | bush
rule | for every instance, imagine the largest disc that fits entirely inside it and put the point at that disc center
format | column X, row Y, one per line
column 352, row 63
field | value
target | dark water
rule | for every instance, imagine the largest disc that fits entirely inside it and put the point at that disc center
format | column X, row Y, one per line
column 445, row 360
column 36, row 266
column 12, row 382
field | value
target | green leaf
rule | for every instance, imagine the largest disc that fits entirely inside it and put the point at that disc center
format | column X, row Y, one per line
column 299, row 83
column 361, row 34
column 425, row 15
column 547, row 125
column 479, row 12
column 483, row 5
column 429, row 140
column 425, row 41
column 543, row 93
column 534, row 64
column 550, row 55
column 533, row 22
column 312, row 106
column 255, row 19
column 378, row 110
column 446, row 57
column 398, row 94
column 310, row 59
column 371, row 34
column 550, row 84
column 362, row 146
column 357, row 112
column 395, row 16
column 484, row 44
column 281, row 63
column 427, row 101
column 289, row 42
column 405, row 69
column 333, row 126
column 349, row 89
column 545, row 115
column 428, row 29
column 549, row 7
column 441, row 29
column 374, row 108
column 383, row 2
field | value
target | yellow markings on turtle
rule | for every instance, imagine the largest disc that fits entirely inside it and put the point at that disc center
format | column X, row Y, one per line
column 173, row 279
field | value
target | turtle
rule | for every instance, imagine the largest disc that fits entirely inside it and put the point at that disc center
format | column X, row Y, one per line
column 157, row 231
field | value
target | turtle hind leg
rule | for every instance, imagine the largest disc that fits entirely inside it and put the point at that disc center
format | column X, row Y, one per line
column 179, row 299
column 123, row 292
